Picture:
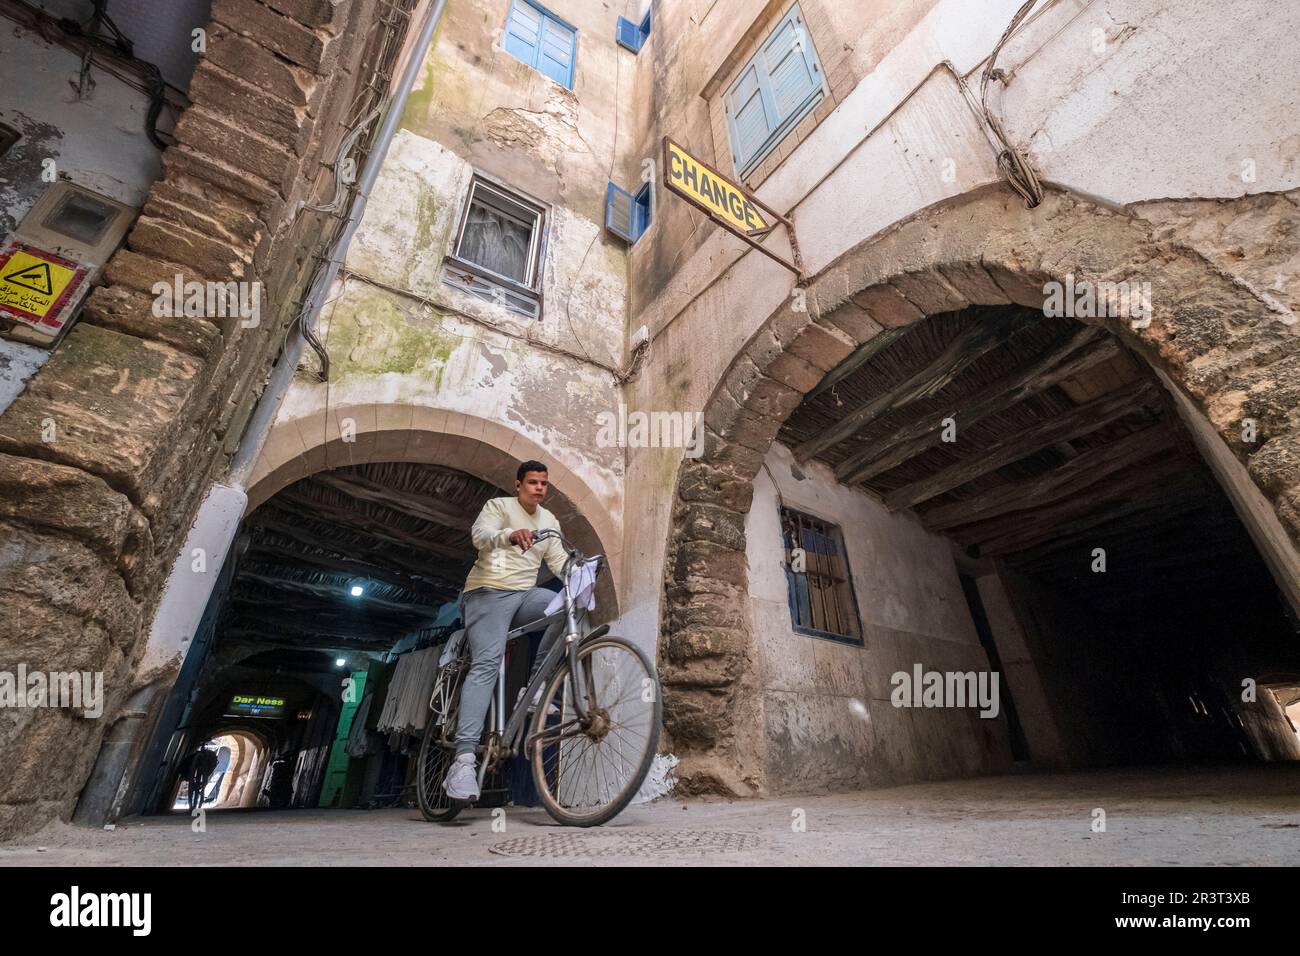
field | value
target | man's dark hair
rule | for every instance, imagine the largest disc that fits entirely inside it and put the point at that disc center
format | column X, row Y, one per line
column 528, row 466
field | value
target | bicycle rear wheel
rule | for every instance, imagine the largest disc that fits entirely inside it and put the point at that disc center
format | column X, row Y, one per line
column 587, row 770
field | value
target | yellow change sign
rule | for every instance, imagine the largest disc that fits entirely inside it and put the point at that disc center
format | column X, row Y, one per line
column 711, row 191
column 32, row 283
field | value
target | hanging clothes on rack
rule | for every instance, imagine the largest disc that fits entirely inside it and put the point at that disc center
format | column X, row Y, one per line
column 406, row 708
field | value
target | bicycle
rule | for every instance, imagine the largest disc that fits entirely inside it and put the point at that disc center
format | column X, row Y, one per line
column 591, row 741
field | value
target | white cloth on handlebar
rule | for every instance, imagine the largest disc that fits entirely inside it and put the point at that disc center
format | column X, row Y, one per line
column 582, row 585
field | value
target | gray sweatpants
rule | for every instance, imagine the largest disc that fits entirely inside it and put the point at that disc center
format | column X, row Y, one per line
column 489, row 613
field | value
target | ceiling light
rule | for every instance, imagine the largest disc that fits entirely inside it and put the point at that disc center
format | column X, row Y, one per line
column 340, row 661
column 357, row 590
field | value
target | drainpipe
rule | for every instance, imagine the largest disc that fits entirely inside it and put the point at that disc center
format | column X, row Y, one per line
column 259, row 425
column 187, row 593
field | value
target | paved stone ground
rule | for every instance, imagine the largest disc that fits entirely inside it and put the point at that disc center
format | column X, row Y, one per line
column 1236, row 816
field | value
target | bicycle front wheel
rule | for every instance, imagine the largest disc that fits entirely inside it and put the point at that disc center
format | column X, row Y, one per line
column 588, row 769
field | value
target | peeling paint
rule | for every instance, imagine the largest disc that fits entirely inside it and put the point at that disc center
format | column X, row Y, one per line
column 660, row 779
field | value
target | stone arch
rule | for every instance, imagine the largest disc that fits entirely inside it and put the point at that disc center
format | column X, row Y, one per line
column 302, row 446
column 1222, row 345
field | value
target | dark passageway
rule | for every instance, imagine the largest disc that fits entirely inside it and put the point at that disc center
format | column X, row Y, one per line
column 334, row 580
column 1134, row 605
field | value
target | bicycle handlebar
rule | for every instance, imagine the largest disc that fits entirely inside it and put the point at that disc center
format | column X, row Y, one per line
column 574, row 554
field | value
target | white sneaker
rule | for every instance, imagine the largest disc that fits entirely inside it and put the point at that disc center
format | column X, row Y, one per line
column 462, row 780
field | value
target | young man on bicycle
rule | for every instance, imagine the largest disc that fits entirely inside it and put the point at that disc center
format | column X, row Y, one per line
column 501, row 594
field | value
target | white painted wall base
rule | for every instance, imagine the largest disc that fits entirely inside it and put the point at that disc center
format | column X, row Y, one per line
column 188, row 589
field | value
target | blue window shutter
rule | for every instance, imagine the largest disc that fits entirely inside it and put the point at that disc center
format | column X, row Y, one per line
column 628, row 35
column 556, row 59
column 619, row 213
column 774, row 91
column 541, row 41
column 523, row 32
column 642, row 211
column 750, row 113
column 790, row 66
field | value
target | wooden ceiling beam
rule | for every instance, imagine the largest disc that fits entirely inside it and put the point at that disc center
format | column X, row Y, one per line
column 425, row 509
column 1079, row 421
column 1010, row 534
column 349, row 567
column 1137, row 572
column 1152, row 511
column 303, row 507
column 971, row 344
column 1050, row 368
column 326, row 592
column 288, row 522
column 1071, row 478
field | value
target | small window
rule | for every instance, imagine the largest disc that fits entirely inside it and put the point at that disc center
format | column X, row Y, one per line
column 628, row 215
column 498, row 250
column 633, row 35
column 817, row 577
column 542, row 40
column 775, row 90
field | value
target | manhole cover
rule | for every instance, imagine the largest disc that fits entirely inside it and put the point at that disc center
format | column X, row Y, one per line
column 703, row 842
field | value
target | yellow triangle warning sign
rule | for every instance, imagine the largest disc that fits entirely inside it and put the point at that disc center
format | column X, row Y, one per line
column 36, row 278
column 39, row 288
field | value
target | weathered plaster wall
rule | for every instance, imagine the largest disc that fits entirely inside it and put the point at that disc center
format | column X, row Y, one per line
column 397, row 334
column 500, row 114
column 905, row 138
column 388, row 349
column 826, row 705
column 98, row 142
column 409, row 229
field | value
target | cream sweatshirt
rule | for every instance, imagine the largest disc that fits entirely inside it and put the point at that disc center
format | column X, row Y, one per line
column 501, row 564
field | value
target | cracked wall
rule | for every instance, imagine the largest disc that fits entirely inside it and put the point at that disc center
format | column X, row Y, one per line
column 147, row 409
column 904, row 140
column 398, row 334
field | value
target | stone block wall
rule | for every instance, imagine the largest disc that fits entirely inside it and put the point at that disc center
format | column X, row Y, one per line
column 107, row 454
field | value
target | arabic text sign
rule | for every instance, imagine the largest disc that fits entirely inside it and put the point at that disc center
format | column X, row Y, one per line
column 35, row 284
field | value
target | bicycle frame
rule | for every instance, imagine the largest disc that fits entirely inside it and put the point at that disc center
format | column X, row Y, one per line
column 509, row 731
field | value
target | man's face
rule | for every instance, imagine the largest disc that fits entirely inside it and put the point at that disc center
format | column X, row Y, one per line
column 533, row 487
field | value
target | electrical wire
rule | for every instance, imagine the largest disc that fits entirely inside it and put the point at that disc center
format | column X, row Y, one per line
column 613, row 158
column 119, row 42
column 1011, row 162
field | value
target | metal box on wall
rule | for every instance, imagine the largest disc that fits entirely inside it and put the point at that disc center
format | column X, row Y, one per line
column 49, row 262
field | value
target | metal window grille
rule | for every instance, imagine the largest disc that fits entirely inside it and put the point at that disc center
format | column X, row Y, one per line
column 821, row 595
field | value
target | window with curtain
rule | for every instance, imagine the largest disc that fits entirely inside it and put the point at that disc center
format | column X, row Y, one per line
column 497, row 252
column 497, row 241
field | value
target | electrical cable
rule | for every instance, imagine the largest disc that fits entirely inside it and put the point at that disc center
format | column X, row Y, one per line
column 120, row 43
column 1011, row 162
column 613, row 158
